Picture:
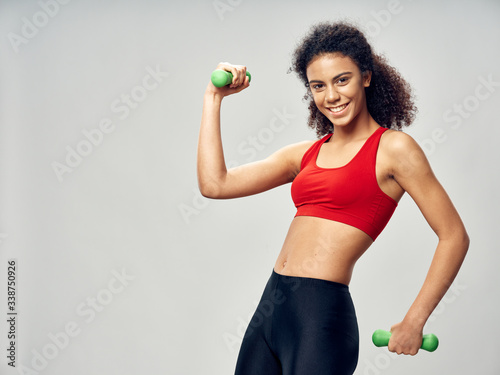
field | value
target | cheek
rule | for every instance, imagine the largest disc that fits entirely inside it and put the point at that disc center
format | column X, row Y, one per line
column 318, row 99
column 350, row 91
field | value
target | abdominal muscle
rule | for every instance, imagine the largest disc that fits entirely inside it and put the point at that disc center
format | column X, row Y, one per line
column 321, row 249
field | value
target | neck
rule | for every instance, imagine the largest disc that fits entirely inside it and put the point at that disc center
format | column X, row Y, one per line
column 361, row 126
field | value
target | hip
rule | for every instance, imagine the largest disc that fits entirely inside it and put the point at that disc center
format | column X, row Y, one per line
column 303, row 308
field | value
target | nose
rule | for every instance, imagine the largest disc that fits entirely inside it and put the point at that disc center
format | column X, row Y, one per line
column 331, row 94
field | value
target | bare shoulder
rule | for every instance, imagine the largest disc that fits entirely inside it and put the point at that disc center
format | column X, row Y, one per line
column 300, row 148
column 403, row 154
column 294, row 150
column 397, row 143
column 292, row 155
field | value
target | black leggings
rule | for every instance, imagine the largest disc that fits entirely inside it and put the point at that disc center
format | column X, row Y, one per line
column 302, row 326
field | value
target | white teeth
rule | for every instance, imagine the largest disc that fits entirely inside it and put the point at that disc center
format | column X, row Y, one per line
column 338, row 109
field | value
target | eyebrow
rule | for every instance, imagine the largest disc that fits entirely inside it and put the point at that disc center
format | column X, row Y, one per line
column 334, row 78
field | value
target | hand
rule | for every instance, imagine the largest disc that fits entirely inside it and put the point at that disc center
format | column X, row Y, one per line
column 405, row 339
column 240, row 80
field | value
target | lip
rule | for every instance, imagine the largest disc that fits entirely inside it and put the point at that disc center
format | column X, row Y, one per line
column 339, row 113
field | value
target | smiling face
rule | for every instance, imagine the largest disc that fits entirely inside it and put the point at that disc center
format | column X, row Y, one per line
column 338, row 88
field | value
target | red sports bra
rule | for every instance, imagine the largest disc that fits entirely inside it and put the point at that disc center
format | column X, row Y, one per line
column 348, row 194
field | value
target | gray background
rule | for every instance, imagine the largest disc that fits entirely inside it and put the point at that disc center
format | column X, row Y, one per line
column 196, row 267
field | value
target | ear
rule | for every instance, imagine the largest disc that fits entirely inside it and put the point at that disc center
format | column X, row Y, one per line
column 367, row 77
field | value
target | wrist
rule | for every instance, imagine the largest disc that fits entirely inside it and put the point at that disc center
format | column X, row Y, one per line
column 212, row 95
column 414, row 321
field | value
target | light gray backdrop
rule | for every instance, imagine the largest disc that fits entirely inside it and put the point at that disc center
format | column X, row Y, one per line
column 123, row 268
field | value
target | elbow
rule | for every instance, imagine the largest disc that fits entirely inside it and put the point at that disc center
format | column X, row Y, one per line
column 466, row 241
column 210, row 185
column 206, row 193
column 457, row 239
column 462, row 241
column 209, row 190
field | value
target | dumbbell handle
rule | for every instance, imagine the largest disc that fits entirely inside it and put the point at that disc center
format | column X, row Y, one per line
column 430, row 341
column 222, row 78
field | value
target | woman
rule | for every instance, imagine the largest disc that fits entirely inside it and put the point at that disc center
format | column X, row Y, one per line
column 346, row 186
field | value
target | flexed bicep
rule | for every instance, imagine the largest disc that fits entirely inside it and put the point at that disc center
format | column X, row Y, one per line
column 277, row 169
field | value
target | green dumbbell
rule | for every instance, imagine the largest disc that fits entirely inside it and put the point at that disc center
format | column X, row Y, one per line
column 380, row 338
column 222, row 78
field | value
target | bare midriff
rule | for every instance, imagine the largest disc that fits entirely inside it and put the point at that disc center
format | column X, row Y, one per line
column 321, row 249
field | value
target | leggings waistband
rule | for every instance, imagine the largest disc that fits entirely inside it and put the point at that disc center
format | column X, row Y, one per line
column 307, row 281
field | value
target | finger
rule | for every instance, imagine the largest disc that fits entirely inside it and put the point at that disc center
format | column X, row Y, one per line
column 228, row 68
column 239, row 77
column 394, row 346
column 243, row 75
column 234, row 83
column 241, row 87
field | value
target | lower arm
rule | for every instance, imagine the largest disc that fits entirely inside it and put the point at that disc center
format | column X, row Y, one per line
column 211, row 166
column 445, row 265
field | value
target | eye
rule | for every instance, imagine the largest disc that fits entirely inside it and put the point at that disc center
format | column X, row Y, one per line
column 317, row 86
column 343, row 80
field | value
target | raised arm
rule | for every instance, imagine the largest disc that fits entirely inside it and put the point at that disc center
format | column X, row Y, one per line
column 214, row 179
column 413, row 173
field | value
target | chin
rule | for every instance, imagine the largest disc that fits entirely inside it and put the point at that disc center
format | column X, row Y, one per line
column 342, row 122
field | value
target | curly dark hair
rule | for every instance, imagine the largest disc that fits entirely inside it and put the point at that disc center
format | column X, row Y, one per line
column 389, row 97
